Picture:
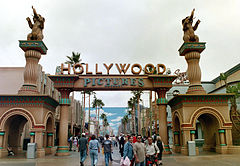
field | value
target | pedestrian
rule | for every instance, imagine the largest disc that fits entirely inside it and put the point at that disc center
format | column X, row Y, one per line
column 134, row 138
column 121, row 145
column 94, row 150
column 75, row 142
column 107, row 145
column 83, row 148
column 160, row 146
column 128, row 150
column 152, row 152
column 139, row 151
column 70, row 139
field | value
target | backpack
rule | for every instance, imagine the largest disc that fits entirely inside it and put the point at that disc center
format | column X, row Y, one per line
column 159, row 144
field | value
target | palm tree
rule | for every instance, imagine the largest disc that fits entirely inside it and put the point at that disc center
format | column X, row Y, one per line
column 105, row 121
column 137, row 94
column 233, row 109
column 89, row 92
column 131, row 105
column 97, row 103
column 74, row 59
column 125, row 121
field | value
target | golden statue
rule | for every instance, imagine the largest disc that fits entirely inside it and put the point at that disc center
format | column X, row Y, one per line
column 188, row 29
column 37, row 27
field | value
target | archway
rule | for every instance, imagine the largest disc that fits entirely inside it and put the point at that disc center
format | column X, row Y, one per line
column 99, row 82
column 16, row 133
column 177, row 138
column 208, row 125
column 48, row 139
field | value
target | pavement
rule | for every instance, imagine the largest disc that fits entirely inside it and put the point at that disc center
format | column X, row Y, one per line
column 204, row 159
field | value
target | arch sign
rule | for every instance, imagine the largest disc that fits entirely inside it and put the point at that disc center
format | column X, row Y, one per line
column 78, row 77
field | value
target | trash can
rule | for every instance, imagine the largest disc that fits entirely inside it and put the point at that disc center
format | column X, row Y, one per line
column 31, row 150
column 191, row 148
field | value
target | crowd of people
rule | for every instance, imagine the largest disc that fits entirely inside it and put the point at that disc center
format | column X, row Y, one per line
column 134, row 150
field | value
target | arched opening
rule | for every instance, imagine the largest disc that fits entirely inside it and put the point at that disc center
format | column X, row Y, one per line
column 17, row 134
column 206, row 135
column 48, row 138
column 177, row 135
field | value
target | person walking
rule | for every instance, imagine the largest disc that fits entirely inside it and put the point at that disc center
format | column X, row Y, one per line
column 75, row 142
column 121, row 144
column 83, row 148
column 160, row 146
column 94, row 150
column 107, row 145
column 70, row 143
column 128, row 150
column 152, row 152
column 139, row 151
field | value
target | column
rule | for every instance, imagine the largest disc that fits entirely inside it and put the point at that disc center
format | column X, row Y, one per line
column 63, row 149
column 222, row 137
column 192, row 51
column 185, row 139
column 49, row 140
column 32, row 137
column 33, row 51
column 176, row 138
column 39, row 141
column 2, row 133
column 192, row 133
column 162, row 117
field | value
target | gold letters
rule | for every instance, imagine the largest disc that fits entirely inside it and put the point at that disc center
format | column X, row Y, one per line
column 122, row 68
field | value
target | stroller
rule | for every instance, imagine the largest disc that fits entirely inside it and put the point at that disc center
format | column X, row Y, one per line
column 151, row 161
column 10, row 151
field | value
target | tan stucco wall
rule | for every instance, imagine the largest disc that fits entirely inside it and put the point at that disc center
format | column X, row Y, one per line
column 234, row 77
column 11, row 79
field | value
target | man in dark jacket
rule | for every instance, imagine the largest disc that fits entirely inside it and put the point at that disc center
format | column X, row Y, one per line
column 107, row 145
column 83, row 148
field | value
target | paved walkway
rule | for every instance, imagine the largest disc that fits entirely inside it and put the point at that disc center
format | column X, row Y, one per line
column 204, row 159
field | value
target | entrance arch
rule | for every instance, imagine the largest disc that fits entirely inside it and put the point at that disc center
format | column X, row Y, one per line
column 68, row 83
column 210, row 126
column 13, row 124
column 177, row 141
column 211, row 123
column 48, row 140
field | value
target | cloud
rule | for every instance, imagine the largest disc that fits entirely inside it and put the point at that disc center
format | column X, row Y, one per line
column 117, row 119
column 110, row 114
column 112, row 124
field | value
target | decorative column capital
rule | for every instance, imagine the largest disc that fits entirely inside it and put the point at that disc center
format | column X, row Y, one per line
column 26, row 45
column 161, row 92
column 190, row 46
column 64, row 100
column 176, row 132
column 49, row 134
column 32, row 133
column 192, row 132
column 221, row 130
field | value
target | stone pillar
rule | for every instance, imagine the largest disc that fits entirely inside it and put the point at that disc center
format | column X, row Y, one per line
column 222, row 137
column 33, row 51
column 2, row 133
column 192, row 132
column 185, row 139
column 192, row 51
column 63, row 149
column 176, row 138
column 49, row 140
column 39, row 141
column 32, row 137
column 162, row 117
column 228, row 136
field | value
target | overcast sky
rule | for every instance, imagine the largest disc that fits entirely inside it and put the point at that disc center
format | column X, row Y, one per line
column 123, row 31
